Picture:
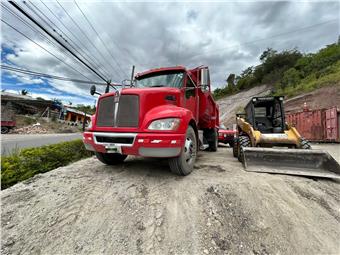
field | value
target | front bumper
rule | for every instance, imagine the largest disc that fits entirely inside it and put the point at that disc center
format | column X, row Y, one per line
column 160, row 145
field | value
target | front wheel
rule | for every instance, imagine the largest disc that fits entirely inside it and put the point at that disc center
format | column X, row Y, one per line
column 111, row 158
column 305, row 144
column 244, row 141
column 235, row 147
column 184, row 163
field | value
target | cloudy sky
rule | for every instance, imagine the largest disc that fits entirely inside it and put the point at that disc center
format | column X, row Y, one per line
column 226, row 36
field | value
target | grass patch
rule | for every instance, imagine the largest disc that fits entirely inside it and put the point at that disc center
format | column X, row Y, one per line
column 29, row 162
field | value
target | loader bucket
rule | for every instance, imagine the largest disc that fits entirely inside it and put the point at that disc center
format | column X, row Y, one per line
column 291, row 161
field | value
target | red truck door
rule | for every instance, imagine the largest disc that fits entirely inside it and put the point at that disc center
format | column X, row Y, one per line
column 191, row 97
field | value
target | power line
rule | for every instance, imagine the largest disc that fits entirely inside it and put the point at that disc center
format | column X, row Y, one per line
column 44, row 37
column 47, row 32
column 88, row 21
column 87, row 38
column 49, row 76
column 44, row 49
column 74, row 36
column 64, row 38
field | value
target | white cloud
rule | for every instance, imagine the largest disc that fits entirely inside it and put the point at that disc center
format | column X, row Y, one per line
column 164, row 34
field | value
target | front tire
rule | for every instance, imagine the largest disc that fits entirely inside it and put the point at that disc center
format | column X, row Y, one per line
column 110, row 158
column 184, row 163
column 235, row 147
column 244, row 141
column 305, row 144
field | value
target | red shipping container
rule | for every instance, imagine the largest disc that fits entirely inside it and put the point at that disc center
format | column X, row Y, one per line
column 332, row 123
column 317, row 125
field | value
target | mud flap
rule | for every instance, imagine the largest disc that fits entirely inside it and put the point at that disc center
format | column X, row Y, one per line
column 291, row 161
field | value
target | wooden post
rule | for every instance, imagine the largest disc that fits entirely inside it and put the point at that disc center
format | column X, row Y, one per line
column 84, row 122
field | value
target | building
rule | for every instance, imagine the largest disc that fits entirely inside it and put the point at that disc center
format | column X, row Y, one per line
column 75, row 116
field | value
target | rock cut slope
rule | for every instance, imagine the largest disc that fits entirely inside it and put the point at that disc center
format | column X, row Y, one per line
column 230, row 105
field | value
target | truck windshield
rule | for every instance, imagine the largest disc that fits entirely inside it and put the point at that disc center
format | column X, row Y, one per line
column 174, row 80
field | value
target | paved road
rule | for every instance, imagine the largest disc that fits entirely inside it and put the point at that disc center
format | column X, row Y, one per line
column 12, row 142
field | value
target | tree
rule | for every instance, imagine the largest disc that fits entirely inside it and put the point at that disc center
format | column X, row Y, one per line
column 266, row 54
column 231, row 79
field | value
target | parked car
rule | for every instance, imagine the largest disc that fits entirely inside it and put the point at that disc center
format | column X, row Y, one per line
column 226, row 136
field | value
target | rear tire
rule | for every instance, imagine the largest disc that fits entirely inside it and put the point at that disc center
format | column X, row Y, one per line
column 244, row 141
column 212, row 139
column 235, row 148
column 110, row 158
column 184, row 163
column 305, row 144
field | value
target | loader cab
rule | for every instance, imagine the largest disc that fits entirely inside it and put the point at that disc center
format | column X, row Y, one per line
column 266, row 114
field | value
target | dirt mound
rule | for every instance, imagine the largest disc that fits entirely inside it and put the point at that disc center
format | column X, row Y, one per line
column 321, row 98
column 140, row 207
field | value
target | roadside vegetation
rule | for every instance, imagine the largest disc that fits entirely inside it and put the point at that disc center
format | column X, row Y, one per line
column 29, row 162
column 290, row 72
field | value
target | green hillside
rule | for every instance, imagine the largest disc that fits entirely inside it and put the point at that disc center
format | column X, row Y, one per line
column 290, row 72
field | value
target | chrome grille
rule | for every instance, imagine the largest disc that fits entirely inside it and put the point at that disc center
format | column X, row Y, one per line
column 126, row 114
column 106, row 110
column 128, row 111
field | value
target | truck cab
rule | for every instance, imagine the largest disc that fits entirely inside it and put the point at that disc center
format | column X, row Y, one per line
column 167, row 113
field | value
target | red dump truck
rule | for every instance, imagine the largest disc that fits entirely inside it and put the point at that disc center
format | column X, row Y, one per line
column 167, row 113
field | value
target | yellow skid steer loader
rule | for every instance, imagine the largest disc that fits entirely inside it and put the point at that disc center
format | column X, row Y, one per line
column 266, row 143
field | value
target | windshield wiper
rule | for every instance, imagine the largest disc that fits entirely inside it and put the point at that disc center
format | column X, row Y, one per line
column 155, row 86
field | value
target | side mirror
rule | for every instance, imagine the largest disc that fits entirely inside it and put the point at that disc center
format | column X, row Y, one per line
column 107, row 90
column 204, row 81
column 93, row 90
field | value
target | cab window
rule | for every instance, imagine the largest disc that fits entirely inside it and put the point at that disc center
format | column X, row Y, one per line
column 190, row 89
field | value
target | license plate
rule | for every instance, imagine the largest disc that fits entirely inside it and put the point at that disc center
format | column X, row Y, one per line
column 112, row 148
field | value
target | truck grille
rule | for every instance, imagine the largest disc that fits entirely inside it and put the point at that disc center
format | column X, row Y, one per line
column 106, row 112
column 128, row 111
column 127, row 114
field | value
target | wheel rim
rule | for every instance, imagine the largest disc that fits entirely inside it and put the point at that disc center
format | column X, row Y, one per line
column 189, row 150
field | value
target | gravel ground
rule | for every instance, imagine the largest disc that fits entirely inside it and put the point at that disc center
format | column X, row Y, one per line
column 140, row 207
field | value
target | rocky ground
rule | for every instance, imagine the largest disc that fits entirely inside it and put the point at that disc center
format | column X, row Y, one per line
column 140, row 207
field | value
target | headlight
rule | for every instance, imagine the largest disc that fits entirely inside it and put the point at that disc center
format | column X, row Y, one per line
column 165, row 124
